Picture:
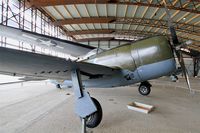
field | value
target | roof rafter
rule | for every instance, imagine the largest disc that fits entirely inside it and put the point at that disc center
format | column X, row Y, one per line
column 43, row 10
column 95, row 39
column 125, row 32
column 80, row 32
column 85, row 20
column 144, row 12
column 40, row 3
column 101, row 39
column 186, row 28
column 161, row 17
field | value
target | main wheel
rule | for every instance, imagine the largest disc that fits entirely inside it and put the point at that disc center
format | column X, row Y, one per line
column 144, row 89
column 58, row 86
column 94, row 119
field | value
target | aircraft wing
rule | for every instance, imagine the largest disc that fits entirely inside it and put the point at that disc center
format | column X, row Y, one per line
column 26, row 78
column 21, row 63
column 56, row 44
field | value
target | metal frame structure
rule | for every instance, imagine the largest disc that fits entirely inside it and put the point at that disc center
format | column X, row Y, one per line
column 17, row 14
column 182, row 27
column 196, row 64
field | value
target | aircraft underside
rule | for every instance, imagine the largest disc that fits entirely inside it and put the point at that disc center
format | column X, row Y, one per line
column 126, row 77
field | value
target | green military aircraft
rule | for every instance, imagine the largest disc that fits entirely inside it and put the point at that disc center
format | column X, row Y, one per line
column 128, row 64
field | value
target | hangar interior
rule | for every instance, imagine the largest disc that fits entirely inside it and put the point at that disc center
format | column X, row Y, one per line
column 104, row 24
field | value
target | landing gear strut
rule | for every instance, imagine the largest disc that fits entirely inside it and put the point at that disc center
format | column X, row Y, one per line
column 87, row 108
column 145, row 88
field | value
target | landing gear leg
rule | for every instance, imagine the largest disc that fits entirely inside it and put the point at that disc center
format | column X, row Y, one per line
column 145, row 88
column 83, row 126
column 87, row 108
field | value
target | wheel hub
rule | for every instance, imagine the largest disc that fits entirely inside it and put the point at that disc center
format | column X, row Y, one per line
column 144, row 89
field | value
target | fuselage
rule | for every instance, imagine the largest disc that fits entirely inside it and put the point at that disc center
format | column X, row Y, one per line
column 139, row 61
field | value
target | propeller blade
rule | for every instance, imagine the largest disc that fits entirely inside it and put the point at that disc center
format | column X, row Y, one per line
column 174, row 36
column 181, row 61
column 175, row 42
column 171, row 27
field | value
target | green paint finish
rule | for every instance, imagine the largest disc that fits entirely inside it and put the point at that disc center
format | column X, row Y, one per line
column 151, row 50
column 119, row 57
column 131, row 56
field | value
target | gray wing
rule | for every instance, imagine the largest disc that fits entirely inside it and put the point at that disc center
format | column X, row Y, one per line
column 15, row 62
column 56, row 44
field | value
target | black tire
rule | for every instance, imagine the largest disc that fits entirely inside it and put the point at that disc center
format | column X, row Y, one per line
column 144, row 89
column 94, row 119
column 58, row 86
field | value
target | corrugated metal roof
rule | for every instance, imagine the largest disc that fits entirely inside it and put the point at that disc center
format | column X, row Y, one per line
column 186, row 14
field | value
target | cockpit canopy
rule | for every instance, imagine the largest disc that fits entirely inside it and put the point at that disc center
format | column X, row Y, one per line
column 92, row 53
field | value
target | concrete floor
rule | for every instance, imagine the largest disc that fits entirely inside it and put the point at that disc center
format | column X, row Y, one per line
column 37, row 107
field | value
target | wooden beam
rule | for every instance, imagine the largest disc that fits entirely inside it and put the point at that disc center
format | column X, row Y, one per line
column 126, row 32
column 101, row 39
column 95, row 39
column 105, row 31
column 85, row 20
column 82, row 32
column 40, row 3
column 161, row 24
column 53, row 19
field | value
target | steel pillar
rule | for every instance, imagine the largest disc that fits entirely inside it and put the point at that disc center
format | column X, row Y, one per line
column 196, row 66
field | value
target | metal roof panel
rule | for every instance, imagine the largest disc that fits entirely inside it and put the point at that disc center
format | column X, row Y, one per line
column 51, row 10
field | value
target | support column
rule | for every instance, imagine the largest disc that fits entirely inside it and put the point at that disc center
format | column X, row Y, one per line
column 196, row 66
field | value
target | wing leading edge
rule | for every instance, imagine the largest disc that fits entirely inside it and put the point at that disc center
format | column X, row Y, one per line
column 56, row 44
column 15, row 62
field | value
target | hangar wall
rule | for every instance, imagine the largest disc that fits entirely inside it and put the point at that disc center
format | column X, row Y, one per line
column 189, row 64
column 16, row 14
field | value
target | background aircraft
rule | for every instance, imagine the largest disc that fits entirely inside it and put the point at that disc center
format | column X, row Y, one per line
column 135, row 62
